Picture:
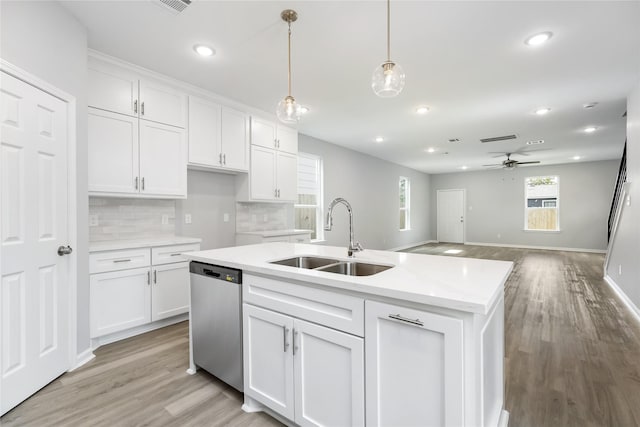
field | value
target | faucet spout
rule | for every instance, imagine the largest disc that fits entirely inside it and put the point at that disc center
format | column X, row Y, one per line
column 353, row 246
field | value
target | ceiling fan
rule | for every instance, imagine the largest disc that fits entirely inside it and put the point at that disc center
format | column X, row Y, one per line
column 510, row 164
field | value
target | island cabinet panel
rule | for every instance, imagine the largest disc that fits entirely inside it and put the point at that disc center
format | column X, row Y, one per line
column 329, row 376
column 268, row 359
column 414, row 363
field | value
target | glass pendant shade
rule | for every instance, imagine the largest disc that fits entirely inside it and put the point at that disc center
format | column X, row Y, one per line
column 288, row 110
column 387, row 80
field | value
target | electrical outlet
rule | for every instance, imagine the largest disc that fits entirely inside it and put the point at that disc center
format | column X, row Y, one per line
column 187, row 218
column 620, row 269
column 165, row 219
column 93, row 220
column 225, row 217
column 499, row 235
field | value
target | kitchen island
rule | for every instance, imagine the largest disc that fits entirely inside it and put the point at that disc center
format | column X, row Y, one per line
column 420, row 343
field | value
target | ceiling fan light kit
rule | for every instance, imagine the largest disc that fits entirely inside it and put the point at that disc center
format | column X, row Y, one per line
column 388, row 78
column 288, row 110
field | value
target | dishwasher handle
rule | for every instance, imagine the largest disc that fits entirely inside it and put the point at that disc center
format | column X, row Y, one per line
column 211, row 273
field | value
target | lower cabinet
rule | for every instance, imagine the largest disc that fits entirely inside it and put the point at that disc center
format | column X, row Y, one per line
column 170, row 290
column 307, row 373
column 414, row 365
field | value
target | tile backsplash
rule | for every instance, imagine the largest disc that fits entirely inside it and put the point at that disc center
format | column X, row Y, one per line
column 263, row 216
column 123, row 219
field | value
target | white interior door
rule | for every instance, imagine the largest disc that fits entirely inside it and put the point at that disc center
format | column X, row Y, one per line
column 450, row 220
column 34, row 287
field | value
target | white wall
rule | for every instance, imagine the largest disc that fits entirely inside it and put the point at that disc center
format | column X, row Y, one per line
column 626, row 244
column 209, row 196
column 495, row 204
column 371, row 187
column 45, row 40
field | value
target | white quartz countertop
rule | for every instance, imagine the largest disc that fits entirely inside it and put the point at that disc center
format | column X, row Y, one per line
column 113, row 245
column 272, row 233
column 464, row 284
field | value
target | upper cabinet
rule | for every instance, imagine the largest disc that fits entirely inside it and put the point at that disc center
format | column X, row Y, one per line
column 218, row 136
column 273, row 135
column 121, row 91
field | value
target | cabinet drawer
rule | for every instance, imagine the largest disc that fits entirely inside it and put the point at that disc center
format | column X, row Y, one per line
column 275, row 239
column 171, row 254
column 342, row 312
column 300, row 238
column 100, row 262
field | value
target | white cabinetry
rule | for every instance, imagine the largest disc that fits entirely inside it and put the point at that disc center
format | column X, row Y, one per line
column 133, row 287
column 136, row 135
column 415, row 367
column 308, row 373
column 218, row 136
column 273, row 135
column 289, row 236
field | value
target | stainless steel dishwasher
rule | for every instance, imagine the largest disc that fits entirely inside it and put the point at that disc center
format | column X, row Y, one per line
column 216, row 316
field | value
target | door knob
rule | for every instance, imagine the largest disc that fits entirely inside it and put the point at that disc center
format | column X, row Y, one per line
column 64, row 250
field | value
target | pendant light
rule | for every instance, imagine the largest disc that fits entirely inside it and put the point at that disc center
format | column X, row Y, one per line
column 289, row 110
column 388, row 78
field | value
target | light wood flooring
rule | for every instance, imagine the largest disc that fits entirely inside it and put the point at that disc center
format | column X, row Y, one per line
column 572, row 359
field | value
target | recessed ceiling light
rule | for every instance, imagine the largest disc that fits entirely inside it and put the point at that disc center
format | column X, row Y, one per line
column 430, row 150
column 590, row 129
column 304, row 110
column 535, row 142
column 203, row 50
column 576, row 158
column 542, row 111
column 590, row 105
column 464, row 167
column 379, row 139
column 423, row 109
column 538, row 39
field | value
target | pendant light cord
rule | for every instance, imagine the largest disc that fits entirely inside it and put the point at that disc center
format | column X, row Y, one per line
column 289, row 72
column 389, row 30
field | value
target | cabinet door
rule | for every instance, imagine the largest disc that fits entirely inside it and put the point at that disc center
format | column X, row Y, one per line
column 263, row 133
column 263, row 173
column 268, row 358
column 234, row 139
column 287, row 177
column 329, row 376
column 170, row 290
column 414, row 367
column 119, row 300
column 287, row 139
column 113, row 152
column 113, row 90
column 204, row 133
column 162, row 104
column 163, row 165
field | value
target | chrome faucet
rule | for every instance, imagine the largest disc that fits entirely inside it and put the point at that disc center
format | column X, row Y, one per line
column 353, row 246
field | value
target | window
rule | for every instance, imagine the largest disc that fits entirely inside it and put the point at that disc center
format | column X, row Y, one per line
column 541, row 203
column 308, row 210
column 405, row 192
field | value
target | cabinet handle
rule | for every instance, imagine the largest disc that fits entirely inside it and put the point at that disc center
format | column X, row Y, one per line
column 278, row 193
column 295, row 346
column 142, row 108
column 275, row 193
column 148, row 278
column 220, row 158
column 135, row 106
column 407, row 320
column 155, row 276
column 136, row 182
column 224, row 159
column 275, row 143
column 178, row 254
column 142, row 183
column 122, row 260
column 285, row 332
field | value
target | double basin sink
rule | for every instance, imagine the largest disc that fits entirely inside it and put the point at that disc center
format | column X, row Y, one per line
column 329, row 265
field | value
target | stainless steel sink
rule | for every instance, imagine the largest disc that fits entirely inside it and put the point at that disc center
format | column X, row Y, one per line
column 309, row 262
column 355, row 268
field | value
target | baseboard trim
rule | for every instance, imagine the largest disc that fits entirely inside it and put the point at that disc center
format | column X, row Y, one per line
column 546, row 248
column 625, row 299
column 117, row 336
column 82, row 358
column 504, row 419
column 412, row 245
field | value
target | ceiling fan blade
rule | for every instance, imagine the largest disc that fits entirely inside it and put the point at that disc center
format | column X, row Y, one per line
column 495, row 164
column 527, row 163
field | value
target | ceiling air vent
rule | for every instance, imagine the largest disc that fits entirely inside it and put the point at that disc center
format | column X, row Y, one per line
column 174, row 6
column 499, row 138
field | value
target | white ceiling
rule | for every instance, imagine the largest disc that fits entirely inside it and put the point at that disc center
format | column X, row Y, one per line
column 466, row 60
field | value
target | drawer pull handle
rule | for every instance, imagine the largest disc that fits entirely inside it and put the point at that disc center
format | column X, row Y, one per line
column 175, row 254
column 407, row 320
column 285, row 332
column 122, row 260
column 295, row 346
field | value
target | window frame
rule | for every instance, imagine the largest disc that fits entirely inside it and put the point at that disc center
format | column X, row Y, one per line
column 407, row 202
column 526, row 205
column 319, row 206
